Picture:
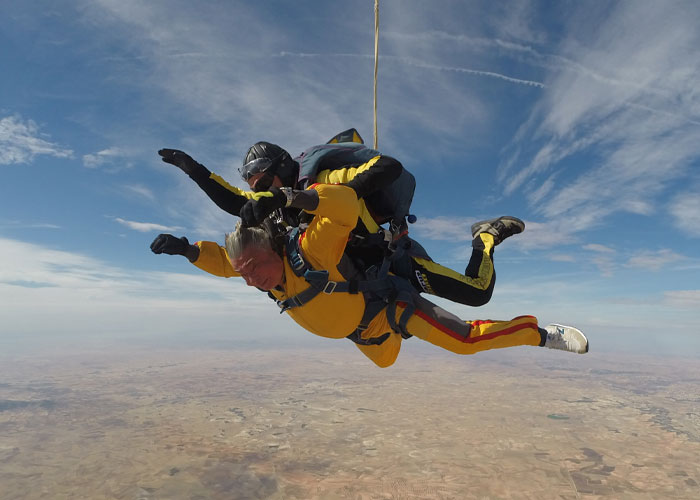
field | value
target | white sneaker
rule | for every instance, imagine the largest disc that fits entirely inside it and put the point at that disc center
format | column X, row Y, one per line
column 566, row 338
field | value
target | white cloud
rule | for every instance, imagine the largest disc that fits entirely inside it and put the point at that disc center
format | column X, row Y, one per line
column 15, row 224
column 410, row 61
column 140, row 191
column 512, row 49
column 106, row 156
column 623, row 102
column 443, row 228
column 21, row 141
column 222, row 70
column 654, row 260
column 545, row 235
column 596, row 247
column 63, row 293
column 605, row 264
column 146, row 227
column 228, row 71
column 685, row 299
column 685, row 208
column 539, row 194
column 561, row 257
column 537, row 235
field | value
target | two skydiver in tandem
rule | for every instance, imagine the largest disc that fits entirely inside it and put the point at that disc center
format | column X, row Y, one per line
column 313, row 235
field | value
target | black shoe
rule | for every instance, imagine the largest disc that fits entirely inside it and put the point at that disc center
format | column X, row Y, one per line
column 500, row 228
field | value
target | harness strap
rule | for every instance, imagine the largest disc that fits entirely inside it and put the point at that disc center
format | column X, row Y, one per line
column 371, row 240
column 321, row 284
column 355, row 337
column 296, row 261
column 406, row 298
column 381, row 292
column 373, row 306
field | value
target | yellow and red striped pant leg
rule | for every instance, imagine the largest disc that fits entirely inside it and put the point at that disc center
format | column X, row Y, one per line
column 443, row 329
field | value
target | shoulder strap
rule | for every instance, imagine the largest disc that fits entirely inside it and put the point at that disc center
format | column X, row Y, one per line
column 293, row 251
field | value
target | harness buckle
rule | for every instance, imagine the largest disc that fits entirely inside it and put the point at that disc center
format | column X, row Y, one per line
column 297, row 262
column 289, row 303
column 330, row 285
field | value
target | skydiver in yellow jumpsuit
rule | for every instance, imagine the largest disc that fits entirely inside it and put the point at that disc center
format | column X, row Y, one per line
column 251, row 253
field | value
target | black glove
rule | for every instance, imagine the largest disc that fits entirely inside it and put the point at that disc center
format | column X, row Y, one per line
column 167, row 243
column 184, row 162
column 257, row 209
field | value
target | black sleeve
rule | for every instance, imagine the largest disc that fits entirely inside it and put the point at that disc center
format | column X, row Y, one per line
column 385, row 171
column 306, row 200
column 228, row 198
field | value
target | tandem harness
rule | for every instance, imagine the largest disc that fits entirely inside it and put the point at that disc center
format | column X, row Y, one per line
column 380, row 289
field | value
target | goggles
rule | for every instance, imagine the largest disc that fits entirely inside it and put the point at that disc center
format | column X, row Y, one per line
column 255, row 167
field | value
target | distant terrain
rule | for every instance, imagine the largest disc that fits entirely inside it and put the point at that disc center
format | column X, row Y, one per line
column 135, row 423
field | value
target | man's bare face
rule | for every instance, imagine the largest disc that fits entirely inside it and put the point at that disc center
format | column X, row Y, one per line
column 260, row 267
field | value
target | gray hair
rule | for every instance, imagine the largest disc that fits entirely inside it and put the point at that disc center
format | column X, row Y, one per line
column 244, row 237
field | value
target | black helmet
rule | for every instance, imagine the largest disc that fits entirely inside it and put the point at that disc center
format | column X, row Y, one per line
column 264, row 150
column 271, row 159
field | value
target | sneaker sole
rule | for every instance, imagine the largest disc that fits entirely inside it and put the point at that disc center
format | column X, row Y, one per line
column 579, row 332
column 479, row 226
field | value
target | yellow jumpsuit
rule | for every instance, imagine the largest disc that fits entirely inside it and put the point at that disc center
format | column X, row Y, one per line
column 337, row 315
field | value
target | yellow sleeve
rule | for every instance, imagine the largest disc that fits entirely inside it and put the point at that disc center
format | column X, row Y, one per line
column 345, row 175
column 384, row 354
column 248, row 195
column 214, row 260
column 239, row 192
column 324, row 241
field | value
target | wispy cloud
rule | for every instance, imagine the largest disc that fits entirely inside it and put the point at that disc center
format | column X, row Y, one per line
column 596, row 247
column 423, row 65
column 561, row 257
column 685, row 209
column 139, row 190
column 537, row 235
column 654, row 260
column 605, row 264
column 603, row 258
column 21, row 140
column 545, row 235
column 523, row 52
column 105, row 156
column 686, row 299
column 221, row 74
column 146, row 227
column 627, row 113
column 15, row 224
column 444, row 228
column 214, row 74
column 82, row 294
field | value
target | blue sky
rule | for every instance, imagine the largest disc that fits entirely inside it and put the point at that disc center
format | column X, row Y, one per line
column 582, row 118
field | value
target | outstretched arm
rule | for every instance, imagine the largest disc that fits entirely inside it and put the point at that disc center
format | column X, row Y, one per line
column 169, row 244
column 228, row 198
column 206, row 255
